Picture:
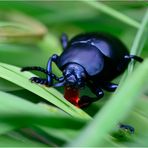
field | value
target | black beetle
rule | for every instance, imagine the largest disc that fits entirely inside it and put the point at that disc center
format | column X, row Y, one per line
column 92, row 59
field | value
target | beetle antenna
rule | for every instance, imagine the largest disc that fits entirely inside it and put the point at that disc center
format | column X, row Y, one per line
column 35, row 68
column 41, row 70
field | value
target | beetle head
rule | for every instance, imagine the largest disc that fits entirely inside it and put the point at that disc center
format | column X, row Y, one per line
column 74, row 75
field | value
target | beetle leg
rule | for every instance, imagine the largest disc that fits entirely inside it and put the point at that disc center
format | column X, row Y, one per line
column 42, row 70
column 39, row 81
column 129, row 57
column 95, row 89
column 54, row 59
column 109, row 86
column 64, row 40
column 59, row 84
column 86, row 100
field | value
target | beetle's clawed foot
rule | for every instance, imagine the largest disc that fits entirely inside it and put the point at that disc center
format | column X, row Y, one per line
column 39, row 81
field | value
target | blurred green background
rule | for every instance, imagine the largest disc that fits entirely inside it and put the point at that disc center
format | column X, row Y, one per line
column 30, row 33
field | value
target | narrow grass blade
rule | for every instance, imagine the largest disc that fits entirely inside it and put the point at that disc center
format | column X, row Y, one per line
column 138, row 44
column 113, row 13
column 65, row 134
column 13, row 74
column 8, row 86
column 16, row 112
column 115, row 109
column 9, row 141
column 138, row 118
column 17, row 27
column 141, row 37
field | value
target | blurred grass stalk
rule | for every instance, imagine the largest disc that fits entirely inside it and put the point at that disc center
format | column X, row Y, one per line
column 17, row 27
column 16, row 112
column 139, row 40
column 113, row 13
column 138, row 44
column 120, row 103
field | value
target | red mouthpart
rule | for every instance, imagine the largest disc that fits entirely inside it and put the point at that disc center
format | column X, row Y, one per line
column 72, row 95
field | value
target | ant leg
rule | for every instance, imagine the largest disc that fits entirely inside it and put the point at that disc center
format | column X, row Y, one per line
column 86, row 100
column 139, row 59
column 111, row 87
column 64, row 40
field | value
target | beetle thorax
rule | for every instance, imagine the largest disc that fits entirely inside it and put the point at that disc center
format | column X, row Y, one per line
column 74, row 75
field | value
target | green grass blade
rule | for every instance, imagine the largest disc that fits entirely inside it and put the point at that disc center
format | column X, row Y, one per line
column 141, row 35
column 138, row 118
column 115, row 109
column 8, row 86
column 17, row 27
column 113, row 13
column 13, row 74
column 139, row 40
column 16, row 112
column 138, row 44
column 9, row 141
column 64, row 134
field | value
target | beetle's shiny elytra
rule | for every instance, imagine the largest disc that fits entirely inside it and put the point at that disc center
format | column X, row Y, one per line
column 91, row 59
